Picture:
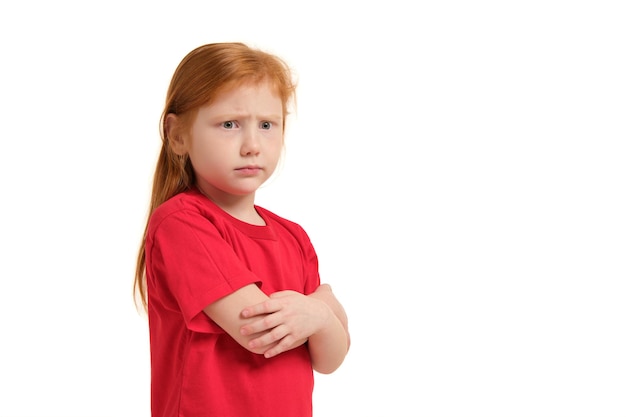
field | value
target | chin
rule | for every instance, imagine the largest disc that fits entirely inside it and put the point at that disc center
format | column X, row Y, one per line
column 243, row 193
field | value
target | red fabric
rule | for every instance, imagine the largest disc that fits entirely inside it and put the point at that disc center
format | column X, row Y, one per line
column 195, row 254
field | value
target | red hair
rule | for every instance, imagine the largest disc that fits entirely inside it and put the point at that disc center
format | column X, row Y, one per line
column 201, row 76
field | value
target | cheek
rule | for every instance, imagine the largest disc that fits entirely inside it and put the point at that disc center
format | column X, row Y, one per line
column 276, row 141
column 202, row 157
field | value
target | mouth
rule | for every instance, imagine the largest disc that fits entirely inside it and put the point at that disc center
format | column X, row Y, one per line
column 249, row 170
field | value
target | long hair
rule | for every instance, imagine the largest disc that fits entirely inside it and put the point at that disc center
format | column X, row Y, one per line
column 203, row 74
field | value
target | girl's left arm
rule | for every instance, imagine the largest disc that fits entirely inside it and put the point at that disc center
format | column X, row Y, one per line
column 325, row 293
column 323, row 360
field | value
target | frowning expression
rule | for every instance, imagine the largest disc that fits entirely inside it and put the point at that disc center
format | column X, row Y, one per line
column 236, row 141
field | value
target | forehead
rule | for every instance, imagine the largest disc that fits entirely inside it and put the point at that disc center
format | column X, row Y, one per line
column 247, row 83
column 247, row 96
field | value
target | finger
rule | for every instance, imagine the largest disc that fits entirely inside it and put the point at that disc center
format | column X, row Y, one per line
column 269, row 338
column 265, row 307
column 285, row 344
column 266, row 323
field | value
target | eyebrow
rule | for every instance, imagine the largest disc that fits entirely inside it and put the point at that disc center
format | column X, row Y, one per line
column 231, row 116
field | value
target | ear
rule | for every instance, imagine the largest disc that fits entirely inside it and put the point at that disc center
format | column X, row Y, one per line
column 175, row 137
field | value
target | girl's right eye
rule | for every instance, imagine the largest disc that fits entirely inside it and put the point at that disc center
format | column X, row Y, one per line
column 229, row 124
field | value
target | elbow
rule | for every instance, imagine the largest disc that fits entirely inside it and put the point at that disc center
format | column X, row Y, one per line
column 329, row 362
column 326, row 355
column 327, row 368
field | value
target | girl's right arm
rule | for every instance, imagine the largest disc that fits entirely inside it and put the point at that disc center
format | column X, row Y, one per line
column 272, row 325
column 289, row 318
column 226, row 312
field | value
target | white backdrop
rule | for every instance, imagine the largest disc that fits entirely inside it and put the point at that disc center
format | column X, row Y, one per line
column 458, row 165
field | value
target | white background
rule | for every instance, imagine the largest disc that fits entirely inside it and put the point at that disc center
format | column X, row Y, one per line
column 459, row 166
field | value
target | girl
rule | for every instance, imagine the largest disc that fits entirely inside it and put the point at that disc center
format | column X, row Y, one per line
column 238, row 319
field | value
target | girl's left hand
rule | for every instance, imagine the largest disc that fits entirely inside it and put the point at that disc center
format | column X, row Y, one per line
column 288, row 319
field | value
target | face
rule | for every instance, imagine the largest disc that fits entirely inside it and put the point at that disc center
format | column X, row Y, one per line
column 235, row 142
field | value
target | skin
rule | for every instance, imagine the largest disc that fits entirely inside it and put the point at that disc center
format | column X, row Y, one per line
column 234, row 145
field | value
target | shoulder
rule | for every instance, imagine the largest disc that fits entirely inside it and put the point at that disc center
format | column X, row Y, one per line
column 188, row 207
column 184, row 201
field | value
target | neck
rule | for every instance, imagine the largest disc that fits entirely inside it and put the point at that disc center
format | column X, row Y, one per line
column 240, row 207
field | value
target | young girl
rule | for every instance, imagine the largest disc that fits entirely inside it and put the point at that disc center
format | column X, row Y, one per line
column 238, row 319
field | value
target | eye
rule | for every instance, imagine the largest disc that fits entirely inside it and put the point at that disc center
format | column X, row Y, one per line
column 266, row 125
column 229, row 124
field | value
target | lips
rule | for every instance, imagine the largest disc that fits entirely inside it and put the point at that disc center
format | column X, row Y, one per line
column 249, row 170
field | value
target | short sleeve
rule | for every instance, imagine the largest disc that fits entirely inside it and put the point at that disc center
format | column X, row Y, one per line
column 190, row 266
column 311, row 264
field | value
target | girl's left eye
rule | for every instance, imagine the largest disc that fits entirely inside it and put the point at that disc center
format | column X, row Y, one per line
column 266, row 125
column 229, row 124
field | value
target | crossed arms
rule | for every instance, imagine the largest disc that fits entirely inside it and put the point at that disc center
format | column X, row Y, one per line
column 285, row 320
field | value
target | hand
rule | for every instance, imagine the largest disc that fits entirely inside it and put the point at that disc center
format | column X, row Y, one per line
column 288, row 319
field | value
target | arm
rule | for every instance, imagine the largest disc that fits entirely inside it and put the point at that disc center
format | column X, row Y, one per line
column 325, row 293
column 226, row 313
column 290, row 318
column 329, row 347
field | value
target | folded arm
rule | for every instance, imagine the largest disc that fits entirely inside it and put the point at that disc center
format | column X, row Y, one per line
column 290, row 318
column 325, row 293
column 226, row 312
column 285, row 320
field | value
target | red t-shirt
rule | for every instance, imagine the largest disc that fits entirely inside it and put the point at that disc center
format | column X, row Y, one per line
column 196, row 253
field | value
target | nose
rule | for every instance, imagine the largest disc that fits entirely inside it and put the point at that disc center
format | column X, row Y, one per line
column 250, row 144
